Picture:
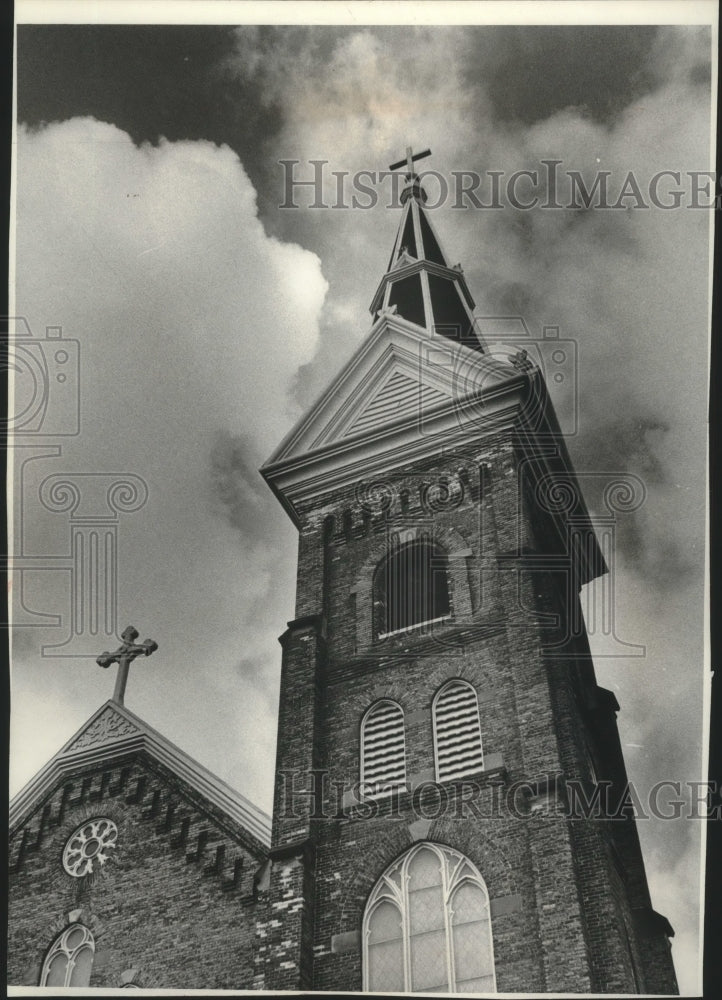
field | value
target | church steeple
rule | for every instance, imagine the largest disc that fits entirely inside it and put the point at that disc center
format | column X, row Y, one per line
column 437, row 612
column 418, row 284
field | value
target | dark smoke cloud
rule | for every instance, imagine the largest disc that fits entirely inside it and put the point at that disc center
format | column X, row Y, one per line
column 237, row 486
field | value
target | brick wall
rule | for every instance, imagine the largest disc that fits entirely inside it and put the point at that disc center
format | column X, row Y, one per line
column 175, row 903
column 557, row 899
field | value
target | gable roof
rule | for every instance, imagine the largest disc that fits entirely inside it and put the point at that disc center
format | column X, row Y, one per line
column 401, row 394
column 442, row 372
column 404, row 393
column 114, row 731
column 407, row 395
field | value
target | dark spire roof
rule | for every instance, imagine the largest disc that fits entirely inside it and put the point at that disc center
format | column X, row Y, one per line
column 419, row 281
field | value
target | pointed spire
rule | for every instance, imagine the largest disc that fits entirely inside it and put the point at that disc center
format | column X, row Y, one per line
column 419, row 282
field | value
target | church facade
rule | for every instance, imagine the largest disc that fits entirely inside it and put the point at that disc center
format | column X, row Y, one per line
column 132, row 866
column 439, row 719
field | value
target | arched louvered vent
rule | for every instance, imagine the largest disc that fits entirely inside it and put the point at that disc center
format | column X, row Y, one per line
column 383, row 749
column 457, row 731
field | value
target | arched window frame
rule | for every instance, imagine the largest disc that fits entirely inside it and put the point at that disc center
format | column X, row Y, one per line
column 457, row 870
column 60, row 947
column 438, row 698
column 391, row 786
column 439, row 563
column 364, row 600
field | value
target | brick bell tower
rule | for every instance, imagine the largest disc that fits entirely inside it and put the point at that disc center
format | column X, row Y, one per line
column 439, row 713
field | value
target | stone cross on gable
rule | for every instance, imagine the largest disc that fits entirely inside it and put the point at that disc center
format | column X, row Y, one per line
column 124, row 656
column 411, row 158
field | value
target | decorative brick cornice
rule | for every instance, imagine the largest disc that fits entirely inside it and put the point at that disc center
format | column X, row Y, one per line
column 114, row 733
column 219, row 851
column 311, row 461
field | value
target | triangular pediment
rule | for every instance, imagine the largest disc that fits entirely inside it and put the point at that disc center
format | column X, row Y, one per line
column 112, row 733
column 399, row 375
column 392, row 387
column 404, row 259
column 400, row 395
column 107, row 726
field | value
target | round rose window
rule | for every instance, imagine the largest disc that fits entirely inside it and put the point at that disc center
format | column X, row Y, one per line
column 89, row 847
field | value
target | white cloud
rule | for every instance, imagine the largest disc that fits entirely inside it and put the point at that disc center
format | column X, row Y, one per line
column 170, row 271
column 155, row 260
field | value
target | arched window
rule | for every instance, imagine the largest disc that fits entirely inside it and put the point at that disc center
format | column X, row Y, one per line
column 457, row 731
column 427, row 928
column 411, row 587
column 383, row 749
column 70, row 958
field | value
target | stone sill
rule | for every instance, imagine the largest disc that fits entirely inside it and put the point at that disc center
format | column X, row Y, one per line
column 407, row 629
column 449, row 633
column 493, row 773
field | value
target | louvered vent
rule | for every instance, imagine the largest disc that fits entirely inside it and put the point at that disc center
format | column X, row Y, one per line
column 383, row 752
column 400, row 396
column 457, row 732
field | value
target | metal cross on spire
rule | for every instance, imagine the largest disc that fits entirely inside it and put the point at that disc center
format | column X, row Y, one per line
column 124, row 656
column 411, row 158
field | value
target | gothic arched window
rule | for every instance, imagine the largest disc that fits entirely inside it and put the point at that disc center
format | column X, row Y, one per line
column 70, row 958
column 411, row 587
column 457, row 731
column 383, row 749
column 427, row 928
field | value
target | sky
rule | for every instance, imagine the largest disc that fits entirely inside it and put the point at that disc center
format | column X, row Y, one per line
column 208, row 319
